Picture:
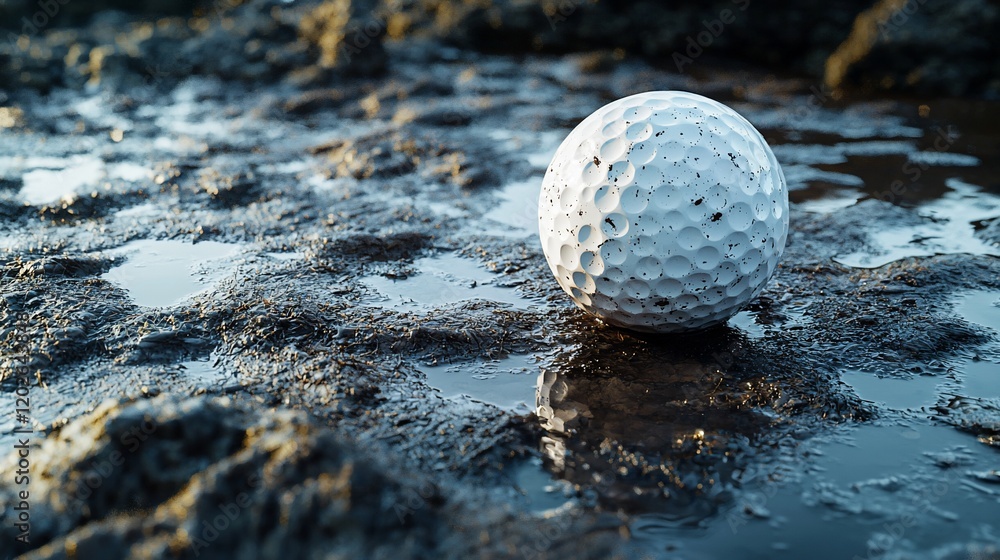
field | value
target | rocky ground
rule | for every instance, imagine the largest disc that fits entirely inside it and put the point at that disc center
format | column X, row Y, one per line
column 353, row 186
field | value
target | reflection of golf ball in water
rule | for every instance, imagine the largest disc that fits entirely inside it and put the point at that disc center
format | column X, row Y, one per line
column 664, row 211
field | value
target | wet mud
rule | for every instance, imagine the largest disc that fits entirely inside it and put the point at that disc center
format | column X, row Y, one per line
column 321, row 304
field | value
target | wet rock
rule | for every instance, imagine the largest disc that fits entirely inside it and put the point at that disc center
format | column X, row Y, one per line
column 646, row 28
column 955, row 58
column 932, row 46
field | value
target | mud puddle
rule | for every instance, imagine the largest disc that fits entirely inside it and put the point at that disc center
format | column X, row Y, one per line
column 517, row 210
column 979, row 377
column 542, row 493
column 947, row 226
column 47, row 180
column 893, row 392
column 884, row 490
column 901, row 486
column 981, row 307
column 440, row 280
column 203, row 372
column 517, row 206
column 508, row 383
column 161, row 273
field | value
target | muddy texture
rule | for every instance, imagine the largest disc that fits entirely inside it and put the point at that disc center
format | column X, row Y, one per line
column 283, row 484
column 368, row 225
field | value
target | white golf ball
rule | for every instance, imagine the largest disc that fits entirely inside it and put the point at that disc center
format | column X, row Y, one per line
column 664, row 211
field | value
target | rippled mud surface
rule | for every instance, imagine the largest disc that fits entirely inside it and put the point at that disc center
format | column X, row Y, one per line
column 357, row 268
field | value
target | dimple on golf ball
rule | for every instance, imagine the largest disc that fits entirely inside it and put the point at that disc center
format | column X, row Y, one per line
column 664, row 211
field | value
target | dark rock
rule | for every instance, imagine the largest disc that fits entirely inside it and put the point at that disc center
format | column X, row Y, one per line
column 931, row 46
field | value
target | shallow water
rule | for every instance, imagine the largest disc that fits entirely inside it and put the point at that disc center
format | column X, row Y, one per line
column 981, row 307
column 203, row 372
column 47, row 180
column 161, row 273
column 894, row 392
column 442, row 280
column 504, row 383
column 947, row 227
column 517, row 209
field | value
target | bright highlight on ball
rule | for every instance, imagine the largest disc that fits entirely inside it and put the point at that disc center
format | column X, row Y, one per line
column 664, row 211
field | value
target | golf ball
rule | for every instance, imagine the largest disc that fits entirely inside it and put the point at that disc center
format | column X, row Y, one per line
column 664, row 211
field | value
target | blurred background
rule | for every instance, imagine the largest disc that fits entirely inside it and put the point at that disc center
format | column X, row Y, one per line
column 924, row 47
